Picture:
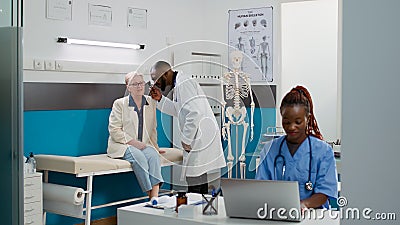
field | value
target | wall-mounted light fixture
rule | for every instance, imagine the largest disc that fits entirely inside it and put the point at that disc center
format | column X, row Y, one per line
column 98, row 43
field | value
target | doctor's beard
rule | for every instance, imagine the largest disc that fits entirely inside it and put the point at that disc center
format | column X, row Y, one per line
column 167, row 92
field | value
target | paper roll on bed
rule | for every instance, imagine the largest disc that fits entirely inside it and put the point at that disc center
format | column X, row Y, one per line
column 64, row 200
column 89, row 166
column 62, row 193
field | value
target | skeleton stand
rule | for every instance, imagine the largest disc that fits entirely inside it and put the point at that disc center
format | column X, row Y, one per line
column 237, row 87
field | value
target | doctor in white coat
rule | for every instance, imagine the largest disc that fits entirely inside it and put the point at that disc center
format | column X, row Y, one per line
column 199, row 131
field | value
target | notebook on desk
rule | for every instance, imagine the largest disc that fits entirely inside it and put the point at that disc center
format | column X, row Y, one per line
column 261, row 199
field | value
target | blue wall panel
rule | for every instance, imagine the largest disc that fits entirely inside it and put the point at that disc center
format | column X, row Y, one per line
column 76, row 132
column 85, row 132
column 66, row 132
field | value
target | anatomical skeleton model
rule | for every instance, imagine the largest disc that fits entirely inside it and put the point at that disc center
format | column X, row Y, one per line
column 237, row 88
column 264, row 55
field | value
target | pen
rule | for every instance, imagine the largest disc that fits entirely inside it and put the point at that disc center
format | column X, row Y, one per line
column 201, row 202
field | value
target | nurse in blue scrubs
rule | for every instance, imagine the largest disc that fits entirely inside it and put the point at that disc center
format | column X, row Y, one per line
column 301, row 155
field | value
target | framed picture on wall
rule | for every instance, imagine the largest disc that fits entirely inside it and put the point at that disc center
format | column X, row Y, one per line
column 59, row 9
column 137, row 18
column 250, row 31
column 100, row 15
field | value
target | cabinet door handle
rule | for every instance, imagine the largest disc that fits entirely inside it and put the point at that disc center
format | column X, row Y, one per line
column 28, row 185
column 30, row 222
column 29, row 197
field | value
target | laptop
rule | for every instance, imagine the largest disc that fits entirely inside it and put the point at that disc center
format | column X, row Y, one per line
column 261, row 199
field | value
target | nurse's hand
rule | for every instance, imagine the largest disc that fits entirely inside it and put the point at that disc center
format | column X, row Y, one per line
column 155, row 93
column 315, row 201
column 303, row 207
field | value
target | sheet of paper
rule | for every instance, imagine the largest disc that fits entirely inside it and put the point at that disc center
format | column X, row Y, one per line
column 100, row 15
column 137, row 18
column 59, row 9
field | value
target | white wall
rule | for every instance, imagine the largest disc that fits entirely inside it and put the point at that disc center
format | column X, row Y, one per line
column 177, row 20
column 309, row 57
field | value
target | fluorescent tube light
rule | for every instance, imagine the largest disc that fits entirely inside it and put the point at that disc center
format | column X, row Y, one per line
column 98, row 43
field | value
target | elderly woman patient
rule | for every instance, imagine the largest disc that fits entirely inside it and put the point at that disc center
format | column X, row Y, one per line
column 133, row 135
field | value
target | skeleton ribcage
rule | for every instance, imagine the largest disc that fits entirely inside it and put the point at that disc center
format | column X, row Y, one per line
column 234, row 91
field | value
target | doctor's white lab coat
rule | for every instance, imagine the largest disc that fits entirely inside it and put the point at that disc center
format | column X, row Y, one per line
column 198, row 127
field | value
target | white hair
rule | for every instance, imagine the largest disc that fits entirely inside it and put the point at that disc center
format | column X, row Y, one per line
column 129, row 76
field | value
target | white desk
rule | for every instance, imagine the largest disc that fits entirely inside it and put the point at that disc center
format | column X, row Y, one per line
column 138, row 214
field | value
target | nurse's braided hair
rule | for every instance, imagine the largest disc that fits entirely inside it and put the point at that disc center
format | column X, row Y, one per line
column 300, row 96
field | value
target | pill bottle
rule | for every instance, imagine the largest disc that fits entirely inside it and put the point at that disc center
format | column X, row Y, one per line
column 180, row 199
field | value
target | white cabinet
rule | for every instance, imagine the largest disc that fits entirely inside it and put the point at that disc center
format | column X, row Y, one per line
column 33, row 200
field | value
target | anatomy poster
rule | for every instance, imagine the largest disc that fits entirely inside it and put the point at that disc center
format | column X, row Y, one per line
column 250, row 31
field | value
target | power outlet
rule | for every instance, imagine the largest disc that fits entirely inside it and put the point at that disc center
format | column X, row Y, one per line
column 50, row 65
column 38, row 64
column 58, row 66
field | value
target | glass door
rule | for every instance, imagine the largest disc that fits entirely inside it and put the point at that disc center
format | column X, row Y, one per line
column 5, row 13
column 11, row 173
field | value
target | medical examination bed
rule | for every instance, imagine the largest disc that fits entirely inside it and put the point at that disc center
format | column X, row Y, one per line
column 89, row 167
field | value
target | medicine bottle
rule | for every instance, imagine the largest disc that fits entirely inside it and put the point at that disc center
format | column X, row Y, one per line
column 31, row 163
column 180, row 199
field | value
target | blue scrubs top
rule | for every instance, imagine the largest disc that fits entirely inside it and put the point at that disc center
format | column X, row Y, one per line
column 323, row 166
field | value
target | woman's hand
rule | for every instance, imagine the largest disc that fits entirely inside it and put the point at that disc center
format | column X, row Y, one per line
column 137, row 144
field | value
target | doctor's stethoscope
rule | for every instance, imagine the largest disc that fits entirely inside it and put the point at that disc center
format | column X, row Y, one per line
column 309, row 184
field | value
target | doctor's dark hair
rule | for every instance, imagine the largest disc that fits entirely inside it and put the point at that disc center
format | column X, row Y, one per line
column 159, row 68
column 300, row 96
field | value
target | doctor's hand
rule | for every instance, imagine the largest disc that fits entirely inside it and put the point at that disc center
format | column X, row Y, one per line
column 155, row 93
column 186, row 147
column 137, row 144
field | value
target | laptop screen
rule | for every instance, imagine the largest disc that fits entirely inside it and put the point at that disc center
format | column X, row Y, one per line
column 261, row 199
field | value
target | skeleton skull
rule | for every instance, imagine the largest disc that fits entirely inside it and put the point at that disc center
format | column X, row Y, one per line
column 236, row 57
